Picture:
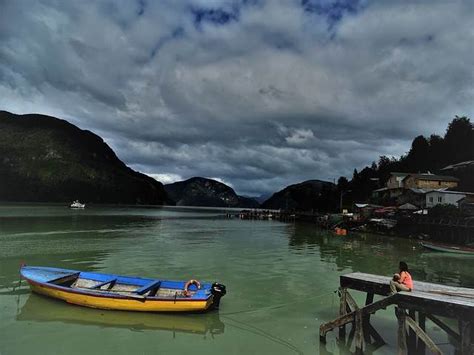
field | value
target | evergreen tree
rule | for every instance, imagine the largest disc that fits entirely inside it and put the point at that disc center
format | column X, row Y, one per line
column 459, row 140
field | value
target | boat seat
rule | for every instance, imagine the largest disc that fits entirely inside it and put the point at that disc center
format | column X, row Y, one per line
column 111, row 282
column 152, row 286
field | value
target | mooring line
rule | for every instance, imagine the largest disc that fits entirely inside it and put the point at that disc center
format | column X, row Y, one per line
column 260, row 332
column 281, row 305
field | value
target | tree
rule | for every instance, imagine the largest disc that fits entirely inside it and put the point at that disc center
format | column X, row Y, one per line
column 459, row 140
column 342, row 184
column 418, row 155
column 385, row 167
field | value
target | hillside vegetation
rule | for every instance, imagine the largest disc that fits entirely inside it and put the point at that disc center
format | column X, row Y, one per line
column 44, row 158
column 199, row 191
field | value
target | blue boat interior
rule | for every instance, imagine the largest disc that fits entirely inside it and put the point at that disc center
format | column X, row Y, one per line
column 115, row 284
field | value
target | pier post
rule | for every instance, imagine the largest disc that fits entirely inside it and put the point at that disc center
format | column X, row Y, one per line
column 421, row 347
column 342, row 310
column 402, row 334
column 366, row 318
column 467, row 337
column 411, row 343
column 359, row 333
column 422, row 336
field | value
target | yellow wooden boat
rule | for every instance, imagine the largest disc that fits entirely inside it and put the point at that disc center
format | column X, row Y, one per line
column 45, row 309
column 107, row 291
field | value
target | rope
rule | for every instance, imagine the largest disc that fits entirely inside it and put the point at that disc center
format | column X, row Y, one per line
column 257, row 331
column 254, row 330
column 277, row 306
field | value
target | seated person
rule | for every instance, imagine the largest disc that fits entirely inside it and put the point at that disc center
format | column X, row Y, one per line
column 401, row 281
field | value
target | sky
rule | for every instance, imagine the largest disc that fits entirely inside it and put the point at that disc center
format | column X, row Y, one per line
column 259, row 94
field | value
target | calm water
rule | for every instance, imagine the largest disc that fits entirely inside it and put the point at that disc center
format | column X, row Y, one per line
column 280, row 279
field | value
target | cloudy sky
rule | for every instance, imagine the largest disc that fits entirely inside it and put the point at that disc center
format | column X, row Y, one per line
column 257, row 93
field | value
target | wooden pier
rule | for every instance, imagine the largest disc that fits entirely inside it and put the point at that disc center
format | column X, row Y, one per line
column 427, row 301
column 258, row 214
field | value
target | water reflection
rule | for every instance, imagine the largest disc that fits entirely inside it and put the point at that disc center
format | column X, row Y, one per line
column 280, row 278
column 10, row 267
column 380, row 254
column 41, row 309
column 71, row 242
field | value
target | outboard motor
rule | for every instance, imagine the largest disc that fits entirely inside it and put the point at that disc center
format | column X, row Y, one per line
column 218, row 291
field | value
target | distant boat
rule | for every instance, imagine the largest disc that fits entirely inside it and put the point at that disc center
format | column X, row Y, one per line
column 448, row 248
column 106, row 291
column 77, row 204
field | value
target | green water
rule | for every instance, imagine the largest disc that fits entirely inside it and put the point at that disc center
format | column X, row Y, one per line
column 280, row 279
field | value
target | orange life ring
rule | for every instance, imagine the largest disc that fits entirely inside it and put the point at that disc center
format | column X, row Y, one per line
column 196, row 283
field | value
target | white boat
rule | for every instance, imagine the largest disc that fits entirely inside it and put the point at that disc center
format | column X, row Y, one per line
column 77, row 204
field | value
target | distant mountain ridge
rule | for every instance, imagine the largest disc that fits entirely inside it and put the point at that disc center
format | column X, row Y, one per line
column 43, row 158
column 199, row 191
column 310, row 195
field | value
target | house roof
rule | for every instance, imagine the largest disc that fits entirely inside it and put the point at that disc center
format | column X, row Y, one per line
column 459, row 165
column 364, row 205
column 450, row 192
column 399, row 174
column 418, row 191
column 433, row 177
column 425, row 191
column 407, row 206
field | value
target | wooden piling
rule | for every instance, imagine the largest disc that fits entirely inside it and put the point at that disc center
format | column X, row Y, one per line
column 342, row 310
column 420, row 345
column 423, row 336
column 359, row 332
column 466, row 331
column 402, row 333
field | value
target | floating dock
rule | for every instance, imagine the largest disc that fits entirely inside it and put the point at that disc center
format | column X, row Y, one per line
column 412, row 309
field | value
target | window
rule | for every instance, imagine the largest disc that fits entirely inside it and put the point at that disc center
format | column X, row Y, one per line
column 431, row 199
column 440, row 198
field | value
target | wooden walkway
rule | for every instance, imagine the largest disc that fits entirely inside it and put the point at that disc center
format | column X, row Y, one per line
column 427, row 301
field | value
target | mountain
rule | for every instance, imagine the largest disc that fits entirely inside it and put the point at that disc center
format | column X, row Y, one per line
column 309, row 195
column 199, row 191
column 262, row 198
column 47, row 159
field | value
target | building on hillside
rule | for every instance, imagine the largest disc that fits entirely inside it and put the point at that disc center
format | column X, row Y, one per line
column 429, row 181
column 446, row 197
column 396, row 180
column 364, row 210
column 404, row 188
column 466, row 205
column 464, row 171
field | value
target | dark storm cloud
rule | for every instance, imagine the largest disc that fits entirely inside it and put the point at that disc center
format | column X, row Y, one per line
column 259, row 94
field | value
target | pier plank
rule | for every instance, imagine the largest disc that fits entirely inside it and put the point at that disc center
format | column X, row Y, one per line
column 382, row 285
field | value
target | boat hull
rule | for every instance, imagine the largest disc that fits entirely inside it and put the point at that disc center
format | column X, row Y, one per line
column 448, row 248
column 111, row 301
column 38, row 308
